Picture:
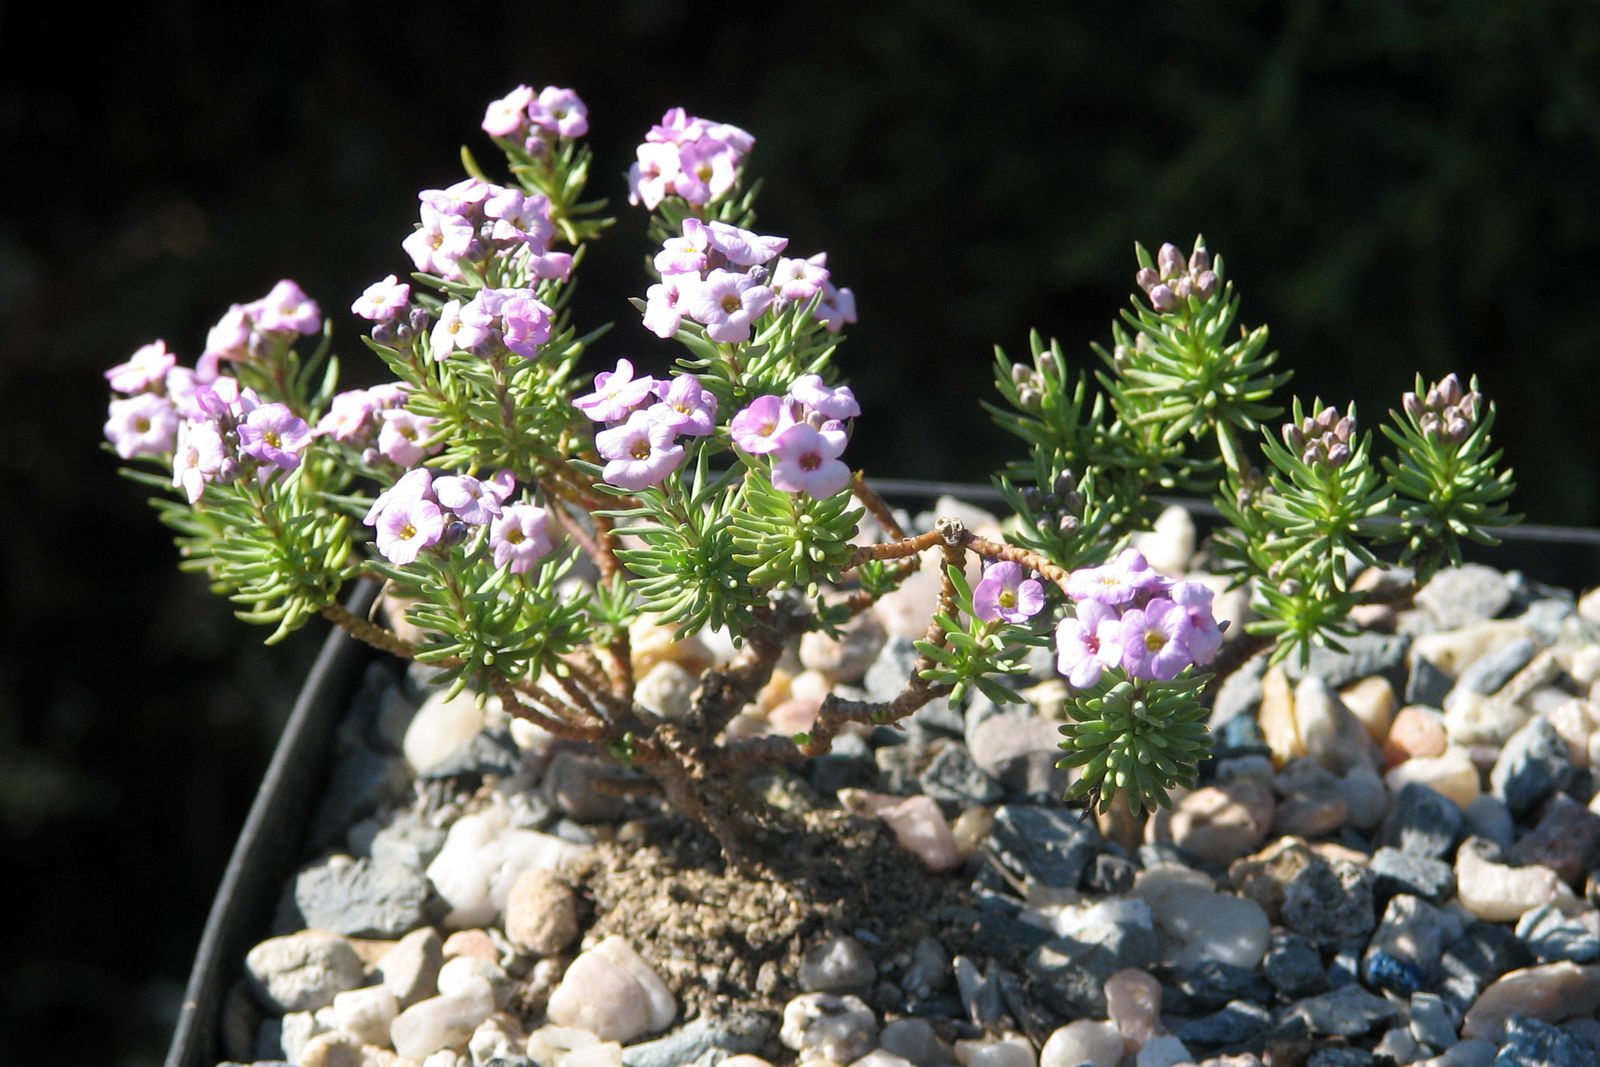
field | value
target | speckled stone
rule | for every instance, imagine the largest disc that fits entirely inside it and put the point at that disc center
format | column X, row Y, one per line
column 303, row 971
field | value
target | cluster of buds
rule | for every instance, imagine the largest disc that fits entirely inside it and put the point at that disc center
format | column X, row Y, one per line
column 688, row 157
column 1171, row 283
column 472, row 221
column 1130, row 617
column 725, row 278
column 1061, row 509
column 534, row 121
column 1322, row 441
column 1446, row 413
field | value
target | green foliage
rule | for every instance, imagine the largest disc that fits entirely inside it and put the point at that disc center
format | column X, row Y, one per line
column 975, row 653
column 790, row 540
column 1140, row 741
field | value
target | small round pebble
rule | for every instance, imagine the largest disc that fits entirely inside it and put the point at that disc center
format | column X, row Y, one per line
column 303, row 971
column 541, row 912
column 1083, row 1041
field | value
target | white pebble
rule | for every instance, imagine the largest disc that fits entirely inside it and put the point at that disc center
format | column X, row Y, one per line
column 440, row 727
column 480, row 861
column 442, row 1021
column 1083, row 1041
column 824, row 1026
column 366, row 1013
column 303, row 971
column 1496, row 893
column 1007, row 1052
column 1163, row 1051
column 613, row 992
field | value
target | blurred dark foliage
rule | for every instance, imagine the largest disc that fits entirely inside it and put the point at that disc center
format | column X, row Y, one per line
column 1397, row 187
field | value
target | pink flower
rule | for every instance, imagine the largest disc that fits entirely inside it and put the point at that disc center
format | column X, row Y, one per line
column 406, row 528
column 1003, row 593
column 508, row 116
column 520, row 537
column 838, row 307
column 1152, row 640
column 461, row 327
column 415, row 484
column 519, row 218
column 402, row 434
column 640, row 452
column 686, row 254
column 743, row 248
column 472, row 500
column 148, row 365
column 1121, row 581
column 524, row 323
column 616, row 393
column 755, row 429
column 686, row 406
column 200, row 457
column 440, row 243
column 651, row 177
column 831, row 402
column 727, row 304
column 141, row 425
column 286, row 309
column 662, row 315
column 560, row 111
column 228, row 339
column 800, row 279
column 1086, row 644
column 382, row 301
column 1204, row 636
column 806, row 460
column 273, row 434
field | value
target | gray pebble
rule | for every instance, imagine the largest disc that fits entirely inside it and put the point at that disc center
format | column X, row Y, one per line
column 1069, row 973
column 364, row 898
column 1531, row 1042
column 1394, row 871
column 303, row 971
column 1294, row 966
column 1234, row 1023
column 1432, row 1022
column 952, row 776
column 1489, row 818
column 840, row 964
column 1459, row 596
column 1422, row 822
column 1492, row 670
column 1534, row 763
column 734, row 1033
column 1048, row 846
column 1347, row 1012
column 1552, row 936
column 929, row 970
column 1366, row 654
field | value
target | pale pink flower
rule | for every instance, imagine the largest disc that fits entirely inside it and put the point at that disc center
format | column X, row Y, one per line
column 382, row 301
column 616, row 393
column 755, row 429
column 508, row 116
column 520, row 537
column 727, row 305
column 806, row 460
column 640, row 453
column 200, row 456
column 141, row 425
column 1006, row 593
column 148, row 365
column 1087, row 643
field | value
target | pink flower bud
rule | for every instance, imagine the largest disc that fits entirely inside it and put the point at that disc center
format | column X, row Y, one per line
column 1170, row 262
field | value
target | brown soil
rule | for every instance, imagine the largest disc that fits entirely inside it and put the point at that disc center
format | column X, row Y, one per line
column 724, row 942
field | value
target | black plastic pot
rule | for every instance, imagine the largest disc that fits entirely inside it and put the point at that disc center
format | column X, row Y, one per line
column 270, row 846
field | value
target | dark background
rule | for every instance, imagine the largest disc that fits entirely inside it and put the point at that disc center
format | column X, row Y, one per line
column 1397, row 188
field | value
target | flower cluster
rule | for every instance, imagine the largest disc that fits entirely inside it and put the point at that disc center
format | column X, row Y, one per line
column 640, row 441
column 1129, row 616
column 718, row 275
column 687, row 157
column 534, row 121
column 804, row 432
column 420, row 511
column 472, row 220
column 1172, row 282
column 1006, row 594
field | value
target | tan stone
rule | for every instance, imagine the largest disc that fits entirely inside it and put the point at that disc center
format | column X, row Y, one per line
column 1276, row 717
column 1372, row 701
column 1550, row 992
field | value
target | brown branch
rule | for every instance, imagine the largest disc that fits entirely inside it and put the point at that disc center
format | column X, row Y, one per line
column 875, row 506
column 370, row 632
column 512, row 701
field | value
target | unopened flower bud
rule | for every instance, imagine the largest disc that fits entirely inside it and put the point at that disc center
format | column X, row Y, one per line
column 455, row 532
column 1022, row 374
column 1338, row 454
column 1316, row 454
column 1326, row 418
column 1468, row 407
column 1067, row 525
column 1199, row 261
column 1344, row 428
column 1450, row 389
column 1147, row 279
column 1434, row 400
column 1162, row 299
column 1294, row 437
column 1029, row 398
column 1065, row 483
column 1033, row 499
column 1072, row 503
column 1048, row 364
column 1170, row 262
column 1412, row 405
column 1205, row 284
column 1183, row 288
column 1456, row 428
column 1431, row 424
column 387, row 333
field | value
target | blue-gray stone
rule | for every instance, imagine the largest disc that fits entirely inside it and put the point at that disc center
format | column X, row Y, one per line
column 487, row 752
column 1233, row 1024
column 1345, row 1057
column 1048, row 846
column 1552, row 936
column 1393, row 871
column 1422, row 822
column 1347, row 1012
column 888, row 673
column 410, row 843
column 898, row 767
column 1405, row 947
column 848, row 765
column 1241, row 736
column 1489, row 818
column 363, row 898
column 1461, row 596
column 1367, row 653
column 1068, row 974
column 1330, row 901
column 937, row 718
column 1531, row 1042
column 1547, row 615
column 1432, row 1022
column 1211, row 984
column 363, row 782
column 1239, row 695
column 1534, row 763
column 734, row 1033
column 1427, row 684
column 1110, row 874
column 953, row 777
column 1492, row 670
column 980, row 992
column 1482, row 953
column 1003, row 936
column 1294, row 966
